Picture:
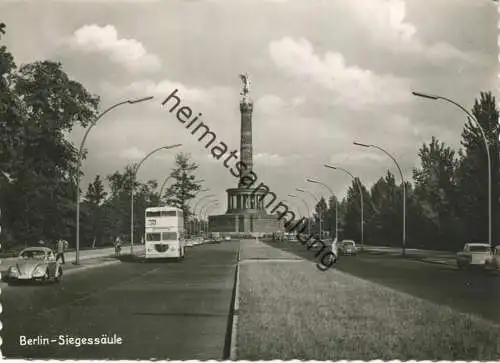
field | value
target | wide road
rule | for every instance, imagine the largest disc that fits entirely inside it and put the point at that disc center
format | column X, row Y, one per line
column 163, row 310
column 472, row 292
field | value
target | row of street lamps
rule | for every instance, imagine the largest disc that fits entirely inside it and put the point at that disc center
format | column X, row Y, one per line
column 418, row 94
column 470, row 116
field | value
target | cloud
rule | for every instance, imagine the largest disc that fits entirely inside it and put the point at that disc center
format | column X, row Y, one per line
column 351, row 85
column 130, row 53
column 386, row 23
column 266, row 159
column 162, row 89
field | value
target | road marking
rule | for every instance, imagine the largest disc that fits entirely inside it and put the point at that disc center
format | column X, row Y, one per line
column 279, row 260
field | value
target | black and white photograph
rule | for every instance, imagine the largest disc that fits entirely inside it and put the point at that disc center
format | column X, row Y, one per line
column 250, row 180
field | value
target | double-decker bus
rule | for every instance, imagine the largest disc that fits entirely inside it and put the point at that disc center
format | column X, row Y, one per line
column 164, row 233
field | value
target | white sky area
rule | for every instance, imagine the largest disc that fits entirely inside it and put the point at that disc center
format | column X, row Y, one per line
column 323, row 73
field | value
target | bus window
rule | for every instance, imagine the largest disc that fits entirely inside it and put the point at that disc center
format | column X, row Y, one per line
column 169, row 213
column 153, row 237
column 169, row 236
column 153, row 214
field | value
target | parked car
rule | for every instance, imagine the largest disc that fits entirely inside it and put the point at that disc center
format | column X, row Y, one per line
column 35, row 263
column 493, row 262
column 228, row 238
column 474, row 255
column 348, row 247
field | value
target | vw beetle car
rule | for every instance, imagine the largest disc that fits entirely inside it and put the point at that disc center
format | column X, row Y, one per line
column 348, row 247
column 35, row 263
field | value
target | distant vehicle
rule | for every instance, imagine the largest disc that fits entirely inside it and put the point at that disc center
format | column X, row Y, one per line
column 348, row 247
column 493, row 262
column 164, row 233
column 35, row 263
column 474, row 255
column 228, row 238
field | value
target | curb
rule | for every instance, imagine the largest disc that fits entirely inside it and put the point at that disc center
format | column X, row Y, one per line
column 236, row 313
column 229, row 352
column 438, row 262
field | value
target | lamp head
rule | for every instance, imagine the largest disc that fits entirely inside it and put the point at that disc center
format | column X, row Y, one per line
column 312, row 181
column 140, row 100
column 425, row 95
column 300, row 190
column 171, row 146
column 360, row 144
column 329, row 166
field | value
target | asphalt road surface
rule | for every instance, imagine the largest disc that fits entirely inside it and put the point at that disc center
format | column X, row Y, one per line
column 165, row 310
column 472, row 292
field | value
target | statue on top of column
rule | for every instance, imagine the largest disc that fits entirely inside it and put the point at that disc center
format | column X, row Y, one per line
column 246, row 84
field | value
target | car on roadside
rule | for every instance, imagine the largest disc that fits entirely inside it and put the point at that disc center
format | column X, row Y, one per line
column 348, row 248
column 227, row 238
column 493, row 262
column 35, row 264
column 474, row 255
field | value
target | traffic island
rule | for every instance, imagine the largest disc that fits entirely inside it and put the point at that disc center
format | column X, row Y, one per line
column 293, row 311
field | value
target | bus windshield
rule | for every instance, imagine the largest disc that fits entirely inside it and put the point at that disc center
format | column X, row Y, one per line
column 153, row 237
column 169, row 236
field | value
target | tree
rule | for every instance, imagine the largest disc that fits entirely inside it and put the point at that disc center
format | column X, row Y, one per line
column 320, row 212
column 352, row 210
column 473, row 170
column 116, row 209
column 330, row 216
column 39, row 104
column 92, row 207
column 386, row 201
column 184, row 187
column 436, row 191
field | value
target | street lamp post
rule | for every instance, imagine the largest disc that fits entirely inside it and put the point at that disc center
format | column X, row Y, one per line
column 336, row 203
column 294, row 205
column 486, row 143
column 320, row 213
column 79, row 162
column 208, row 208
column 196, row 205
column 134, row 176
column 360, row 194
column 163, row 185
column 307, row 209
column 403, row 185
column 193, row 224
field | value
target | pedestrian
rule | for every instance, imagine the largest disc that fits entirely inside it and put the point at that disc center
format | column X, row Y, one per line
column 62, row 245
column 118, row 246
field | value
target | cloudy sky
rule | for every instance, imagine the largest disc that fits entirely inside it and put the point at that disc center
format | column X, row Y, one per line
column 324, row 73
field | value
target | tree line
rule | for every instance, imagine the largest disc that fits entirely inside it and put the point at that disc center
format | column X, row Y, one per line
column 39, row 105
column 447, row 203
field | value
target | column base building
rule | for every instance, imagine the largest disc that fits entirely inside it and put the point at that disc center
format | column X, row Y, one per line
column 245, row 213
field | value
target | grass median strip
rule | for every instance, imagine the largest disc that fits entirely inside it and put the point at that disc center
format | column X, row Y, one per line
column 291, row 311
